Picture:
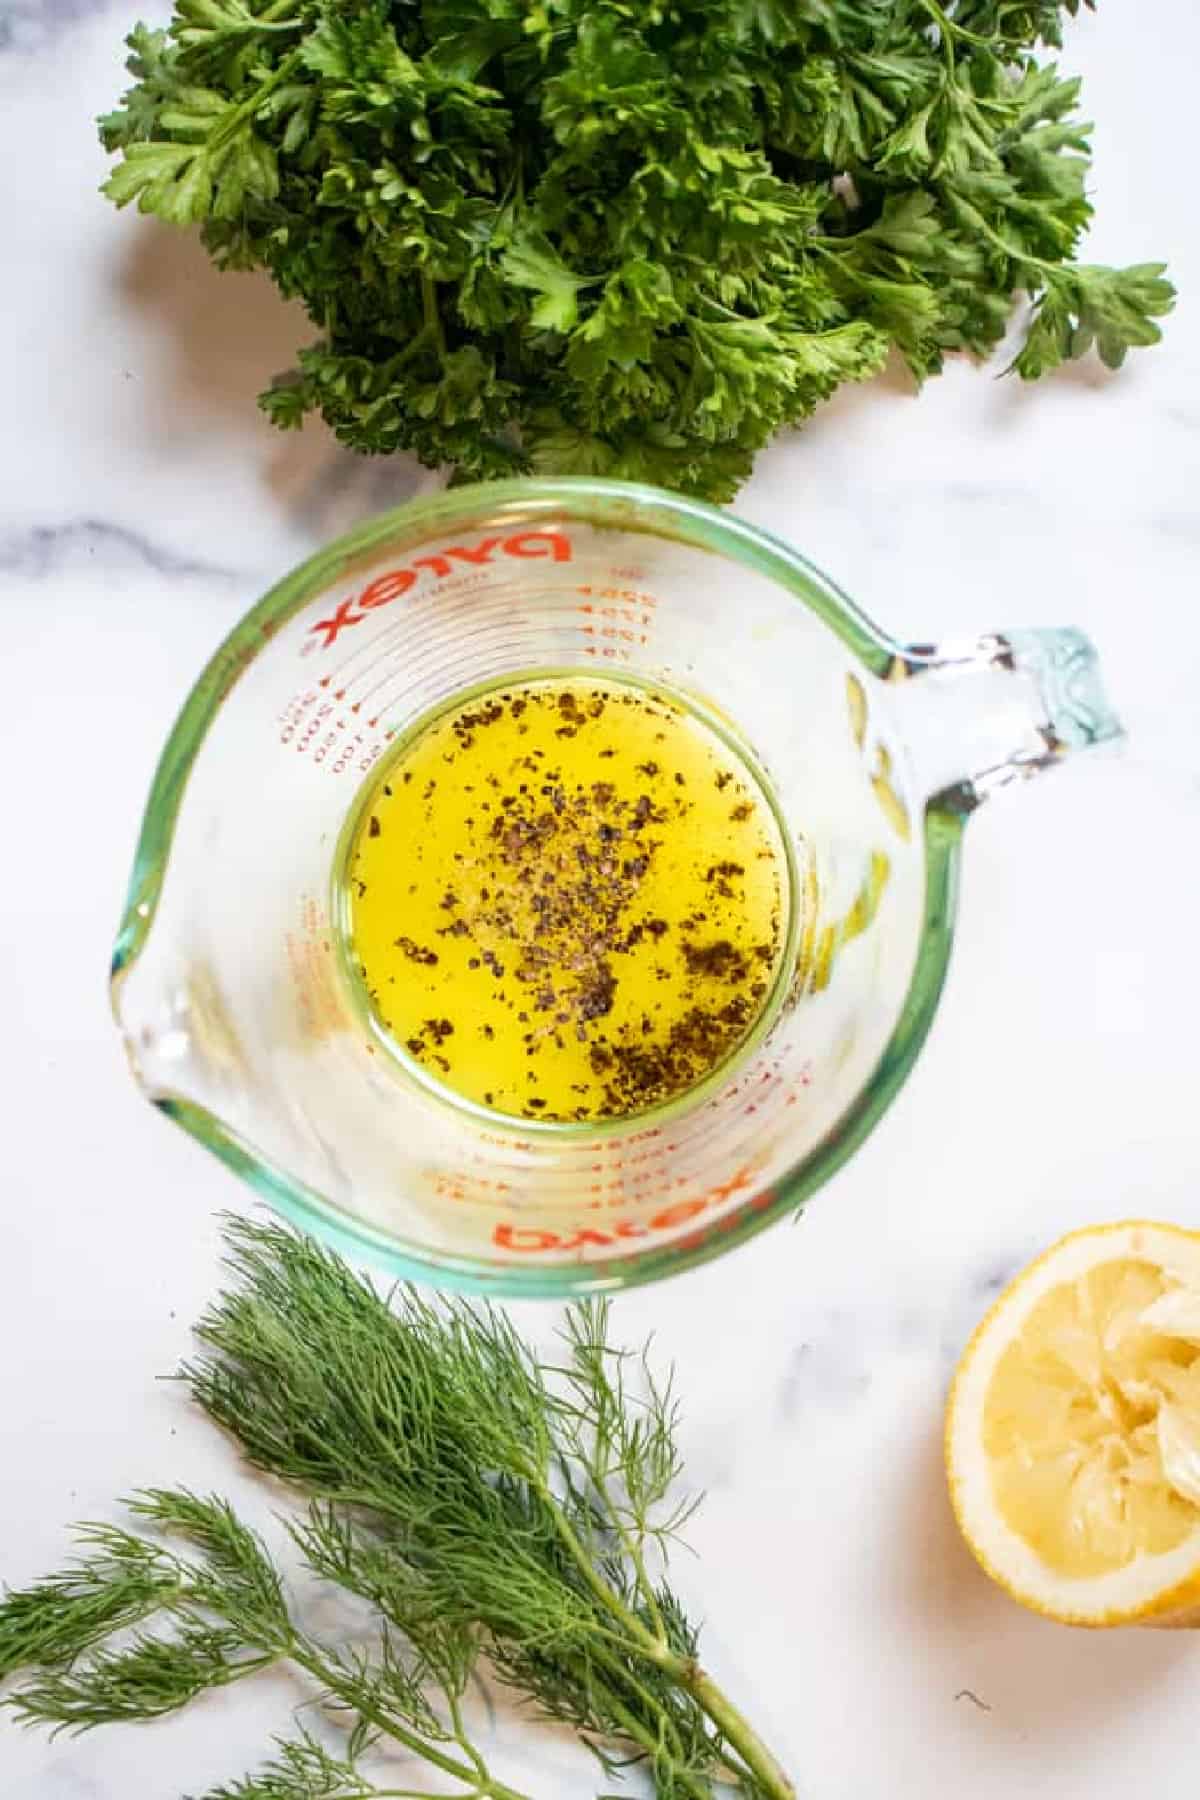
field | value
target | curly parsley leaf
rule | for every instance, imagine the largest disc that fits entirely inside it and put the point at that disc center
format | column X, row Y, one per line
column 595, row 237
column 1114, row 309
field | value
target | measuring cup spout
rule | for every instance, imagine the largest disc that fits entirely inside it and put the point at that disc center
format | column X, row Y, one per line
column 1000, row 708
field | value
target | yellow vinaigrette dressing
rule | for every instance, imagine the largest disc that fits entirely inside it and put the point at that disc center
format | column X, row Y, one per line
column 566, row 900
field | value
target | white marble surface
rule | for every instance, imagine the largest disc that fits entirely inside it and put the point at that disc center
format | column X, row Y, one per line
column 144, row 504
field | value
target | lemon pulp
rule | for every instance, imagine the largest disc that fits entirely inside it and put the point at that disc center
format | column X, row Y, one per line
column 1076, row 1417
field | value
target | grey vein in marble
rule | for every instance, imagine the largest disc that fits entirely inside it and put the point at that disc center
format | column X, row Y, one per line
column 40, row 550
column 824, row 1371
column 30, row 25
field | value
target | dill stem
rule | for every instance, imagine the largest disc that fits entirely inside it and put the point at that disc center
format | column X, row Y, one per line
column 469, row 1750
column 419, row 1793
column 476, row 1779
column 685, row 1671
column 736, row 1729
column 641, row 1637
column 633, row 1549
column 635, row 1728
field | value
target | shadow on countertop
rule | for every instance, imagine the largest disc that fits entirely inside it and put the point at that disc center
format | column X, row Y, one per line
column 1032, row 1677
column 227, row 334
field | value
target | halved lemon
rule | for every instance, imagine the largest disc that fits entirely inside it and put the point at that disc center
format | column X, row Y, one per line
column 1073, row 1430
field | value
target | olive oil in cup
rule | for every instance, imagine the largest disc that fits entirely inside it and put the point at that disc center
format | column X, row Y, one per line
column 566, row 900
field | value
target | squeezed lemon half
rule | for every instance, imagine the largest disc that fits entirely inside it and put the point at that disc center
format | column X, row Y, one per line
column 1073, row 1430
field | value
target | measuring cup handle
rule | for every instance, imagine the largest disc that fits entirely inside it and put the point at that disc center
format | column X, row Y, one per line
column 1003, row 707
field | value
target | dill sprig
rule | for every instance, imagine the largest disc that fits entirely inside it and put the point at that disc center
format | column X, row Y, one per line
column 219, row 1616
column 481, row 1502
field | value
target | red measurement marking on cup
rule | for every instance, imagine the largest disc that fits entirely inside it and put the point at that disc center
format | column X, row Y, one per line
column 627, row 615
column 328, row 735
column 394, row 584
column 628, row 596
column 469, row 1189
column 761, row 1094
column 446, row 655
column 309, row 952
column 533, row 1238
column 530, row 1239
column 416, row 623
column 616, row 620
column 397, row 632
column 614, row 633
column 801, row 1080
column 624, row 1161
column 405, row 668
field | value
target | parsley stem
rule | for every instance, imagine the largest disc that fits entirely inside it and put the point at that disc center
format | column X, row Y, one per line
column 433, row 318
column 237, row 117
column 949, row 28
column 1011, row 251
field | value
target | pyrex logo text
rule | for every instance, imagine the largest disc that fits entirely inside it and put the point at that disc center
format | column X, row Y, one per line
column 397, row 582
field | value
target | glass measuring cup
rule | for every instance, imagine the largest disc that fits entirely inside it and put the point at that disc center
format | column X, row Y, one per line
column 231, row 982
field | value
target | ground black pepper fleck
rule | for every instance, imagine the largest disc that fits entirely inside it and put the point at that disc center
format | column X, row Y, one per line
column 570, row 860
column 722, row 960
column 416, row 953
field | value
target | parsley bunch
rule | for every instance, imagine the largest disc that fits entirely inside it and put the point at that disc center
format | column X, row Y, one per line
column 629, row 238
column 476, row 1503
